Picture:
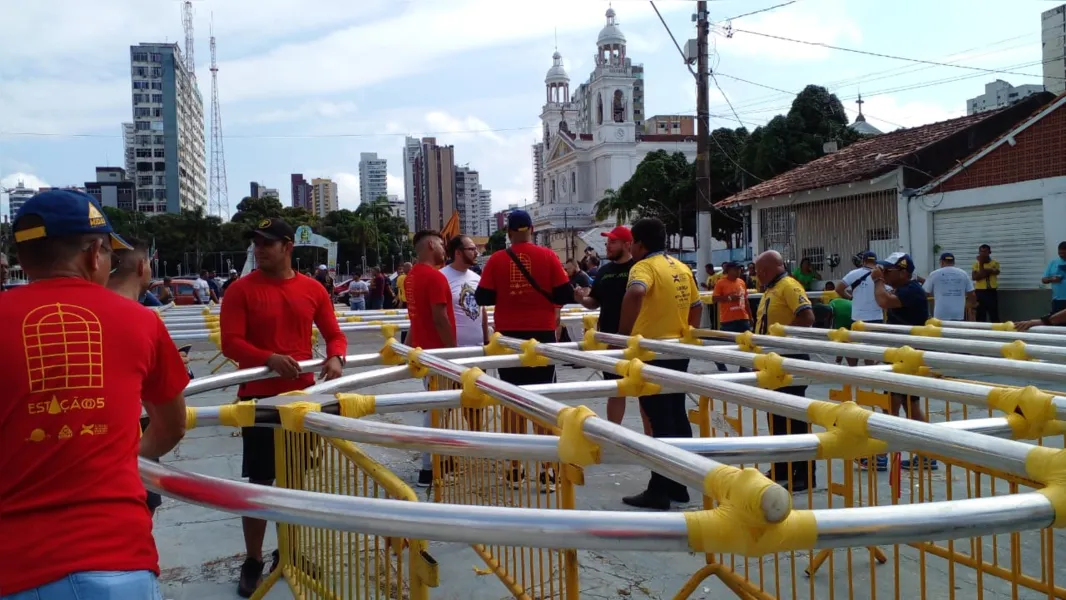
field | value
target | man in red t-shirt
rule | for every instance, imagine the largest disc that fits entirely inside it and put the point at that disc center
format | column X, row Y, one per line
column 266, row 320
column 527, row 284
column 79, row 362
column 429, row 308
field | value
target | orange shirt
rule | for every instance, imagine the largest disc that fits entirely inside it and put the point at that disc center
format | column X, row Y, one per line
column 732, row 310
column 78, row 361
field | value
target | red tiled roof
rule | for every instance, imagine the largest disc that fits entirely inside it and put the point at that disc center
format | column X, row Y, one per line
column 864, row 159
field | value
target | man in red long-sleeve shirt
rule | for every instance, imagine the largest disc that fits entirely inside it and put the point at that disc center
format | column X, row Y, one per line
column 266, row 320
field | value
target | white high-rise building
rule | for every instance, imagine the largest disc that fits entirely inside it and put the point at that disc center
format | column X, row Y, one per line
column 17, row 197
column 127, row 148
column 999, row 94
column 467, row 198
column 373, row 177
column 323, row 196
column 485, row 222
column 1053, row 35
column 412, row 150
column 168, row 131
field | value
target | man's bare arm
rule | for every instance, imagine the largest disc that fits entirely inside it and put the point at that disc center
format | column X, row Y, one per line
column 166, row 427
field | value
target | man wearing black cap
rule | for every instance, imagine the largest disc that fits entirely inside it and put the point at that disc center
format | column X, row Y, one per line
column 859, row 288
column 527, row 285
column 952, row 291
column 79, row 363
column 906, row 304
column 266, row 320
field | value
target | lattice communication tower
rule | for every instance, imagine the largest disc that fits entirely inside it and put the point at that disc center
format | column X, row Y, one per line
column 218, row 200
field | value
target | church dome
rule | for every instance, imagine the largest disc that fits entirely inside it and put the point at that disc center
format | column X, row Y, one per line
column 611, row 33
column 557, row 74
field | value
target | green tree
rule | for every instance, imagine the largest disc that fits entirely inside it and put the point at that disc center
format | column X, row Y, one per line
column 497, row 241
column 252, row 210
column 614, row 204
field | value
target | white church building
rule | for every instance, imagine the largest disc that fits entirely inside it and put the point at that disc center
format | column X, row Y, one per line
column 592, row 141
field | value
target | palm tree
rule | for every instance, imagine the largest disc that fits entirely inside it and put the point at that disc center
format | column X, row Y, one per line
column 364, row 232
column 613, row 203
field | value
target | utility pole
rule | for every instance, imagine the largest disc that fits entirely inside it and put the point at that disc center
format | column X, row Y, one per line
column 703, row 126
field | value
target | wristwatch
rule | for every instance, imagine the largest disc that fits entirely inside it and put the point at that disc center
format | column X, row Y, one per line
column 339, row 357
column 1046, row 319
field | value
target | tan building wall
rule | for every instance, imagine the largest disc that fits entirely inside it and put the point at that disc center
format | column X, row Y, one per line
column 670, row 125
column 323, row 196
column 439, row 165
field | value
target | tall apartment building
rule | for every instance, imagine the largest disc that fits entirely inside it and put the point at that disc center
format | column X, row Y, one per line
column 467, row 198
column 670, row 125
column 485, row 220
column 127, row 148
column 1053, row 36
column 434, row 185
column 301, row 191
column 168, row 131
column 112, row 188
column 373, row 177
column 256, row 189
column 323, row 196
column 17, row 197
column 998, row 94
column 412, row 149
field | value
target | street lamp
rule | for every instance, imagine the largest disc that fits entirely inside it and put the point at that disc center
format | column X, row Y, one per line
column 297, row 264
column 347, row 269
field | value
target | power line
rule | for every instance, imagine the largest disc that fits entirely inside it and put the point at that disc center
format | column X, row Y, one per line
column 671, row 34
column 761, row 10
column 730, row 31
column 278, row 137
column 726, row 154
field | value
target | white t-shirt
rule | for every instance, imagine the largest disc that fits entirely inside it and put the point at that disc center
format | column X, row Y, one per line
column 949, row 286
column 864, row 305
column 203, row 291
column 468, row 330
column 358, row 286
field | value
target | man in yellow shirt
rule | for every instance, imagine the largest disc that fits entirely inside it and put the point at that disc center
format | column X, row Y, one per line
column 661, row 302
column 401, row 293
column 985, row 273
column 785, row 301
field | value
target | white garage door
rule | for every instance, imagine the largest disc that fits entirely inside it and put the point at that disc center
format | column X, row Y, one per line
column 1015, row 231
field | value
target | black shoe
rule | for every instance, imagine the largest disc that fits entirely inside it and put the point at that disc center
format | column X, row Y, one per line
column 515, row 477
column 425, row 478
column 782, row 481
column 251, row 577
column 681, row 497
column 547, row 481
column 275, row 560
column 648, row 499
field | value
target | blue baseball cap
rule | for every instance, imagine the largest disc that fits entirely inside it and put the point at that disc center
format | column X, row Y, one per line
column 519, row 220
column 947, row 256
column 865, row 256
column 65, row 213
column 898, row 260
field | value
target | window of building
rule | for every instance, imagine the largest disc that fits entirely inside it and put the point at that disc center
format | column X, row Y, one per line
column 140, row 56
column 157, row 72
column 160, row 193
column 573, row 182
column 144, row 180
column 159, row 153
column 140, row 85
column 816, row 256
column 144, row 140
column 141, row 125
column 144, row 153
column 155, row 57
column 144, row 194
column 138, row 98
column 142, row 112
column 157, row 85
column 160, row 166
column 157, row 112
column 158, row 98
column 157, row 139
column 160, row 179
column 157, row 126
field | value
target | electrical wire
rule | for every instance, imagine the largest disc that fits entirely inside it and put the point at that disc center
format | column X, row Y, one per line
column 731, row 31
column 672, row 38
column 276, row 137
column 761, row 10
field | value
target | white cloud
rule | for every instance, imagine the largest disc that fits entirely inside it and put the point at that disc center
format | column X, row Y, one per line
column 300, row 112
column 347, row 189
column 394, row 184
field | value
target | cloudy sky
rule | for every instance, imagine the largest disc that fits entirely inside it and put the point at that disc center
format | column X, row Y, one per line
column 306, row 86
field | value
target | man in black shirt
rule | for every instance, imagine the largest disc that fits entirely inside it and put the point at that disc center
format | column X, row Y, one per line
column 606, row 294
column 906, row 304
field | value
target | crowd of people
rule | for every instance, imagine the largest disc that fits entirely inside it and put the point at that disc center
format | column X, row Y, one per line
column 65, row 428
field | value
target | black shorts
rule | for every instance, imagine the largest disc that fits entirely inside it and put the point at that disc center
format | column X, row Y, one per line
column 529, row 375
column 257, row 461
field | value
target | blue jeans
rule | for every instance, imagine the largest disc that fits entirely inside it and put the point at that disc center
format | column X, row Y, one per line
column 96, row 585
column 359, row 304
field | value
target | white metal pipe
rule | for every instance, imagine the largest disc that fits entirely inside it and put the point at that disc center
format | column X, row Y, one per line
column 977, row 334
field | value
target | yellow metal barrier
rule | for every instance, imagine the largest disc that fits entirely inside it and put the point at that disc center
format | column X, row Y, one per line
column 527, row 573
column 339, row 565
column 1016, row 565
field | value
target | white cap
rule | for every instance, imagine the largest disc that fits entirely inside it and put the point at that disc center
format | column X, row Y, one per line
column 233, row 271
column 321, row 267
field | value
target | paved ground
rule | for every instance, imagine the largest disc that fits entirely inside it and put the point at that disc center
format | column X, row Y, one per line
column 201, row 549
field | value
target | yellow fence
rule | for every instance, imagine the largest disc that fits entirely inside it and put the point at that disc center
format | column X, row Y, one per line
column 528, row 573
column 1017, row 565
column 338, row 565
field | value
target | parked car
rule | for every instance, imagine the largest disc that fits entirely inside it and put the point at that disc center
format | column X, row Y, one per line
column 340, row 290
column 182, row 289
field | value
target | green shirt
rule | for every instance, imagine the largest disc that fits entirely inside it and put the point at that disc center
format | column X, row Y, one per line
column 841, row 313
column 805, row 278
